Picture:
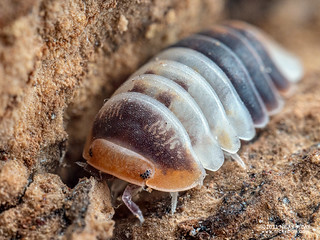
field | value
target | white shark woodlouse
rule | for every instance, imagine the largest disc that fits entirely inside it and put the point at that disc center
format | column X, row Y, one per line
column 188, row 107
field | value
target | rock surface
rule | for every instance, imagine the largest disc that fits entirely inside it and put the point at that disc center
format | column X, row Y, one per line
column 60, row 59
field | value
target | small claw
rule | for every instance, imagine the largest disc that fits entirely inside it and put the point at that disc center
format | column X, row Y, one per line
column 128, row 193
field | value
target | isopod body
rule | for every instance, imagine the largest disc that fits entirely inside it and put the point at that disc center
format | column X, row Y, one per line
column 188, row 107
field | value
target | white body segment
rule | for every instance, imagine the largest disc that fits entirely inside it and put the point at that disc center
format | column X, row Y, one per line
column 288, row 64
column 236, row 111
column 182, row 105
column 204, row 96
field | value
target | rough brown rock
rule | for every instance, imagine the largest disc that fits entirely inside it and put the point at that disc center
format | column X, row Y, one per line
column 60, row 59
column 39, row 211
column 90, row 211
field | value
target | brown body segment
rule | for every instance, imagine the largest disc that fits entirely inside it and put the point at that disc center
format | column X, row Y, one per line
column 134, row 133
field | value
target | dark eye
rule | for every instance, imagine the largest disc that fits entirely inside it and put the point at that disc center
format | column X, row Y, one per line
column 146, row 174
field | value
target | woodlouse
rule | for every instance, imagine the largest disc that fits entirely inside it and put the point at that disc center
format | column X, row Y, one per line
column 188, row 107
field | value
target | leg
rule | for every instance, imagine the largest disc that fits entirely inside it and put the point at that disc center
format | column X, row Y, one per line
column 236, row 158
column 174, row 201
column 128, row 193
